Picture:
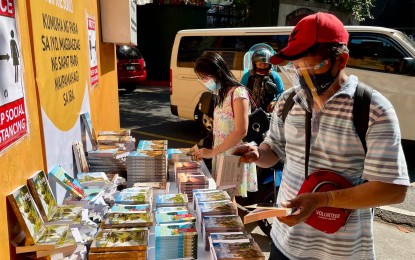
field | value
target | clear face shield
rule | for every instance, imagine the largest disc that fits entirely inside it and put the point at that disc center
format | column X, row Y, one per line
column 313, row 78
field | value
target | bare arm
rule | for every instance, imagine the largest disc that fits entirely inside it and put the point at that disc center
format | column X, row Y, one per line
column 367, row 195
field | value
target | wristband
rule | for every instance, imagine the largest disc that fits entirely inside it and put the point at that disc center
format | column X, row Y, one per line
column 332, row 198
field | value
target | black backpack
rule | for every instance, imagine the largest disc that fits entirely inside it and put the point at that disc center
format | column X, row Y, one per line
column 361, row 107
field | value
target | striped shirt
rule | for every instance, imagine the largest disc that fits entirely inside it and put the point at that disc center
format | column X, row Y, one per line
column 335, row 145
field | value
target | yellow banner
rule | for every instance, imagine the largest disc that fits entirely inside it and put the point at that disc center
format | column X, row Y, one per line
column 59, row 38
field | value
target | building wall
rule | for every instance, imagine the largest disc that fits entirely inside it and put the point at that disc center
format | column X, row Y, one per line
column 27, row 155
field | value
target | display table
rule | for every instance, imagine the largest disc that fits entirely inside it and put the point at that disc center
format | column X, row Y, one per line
column 201, row 252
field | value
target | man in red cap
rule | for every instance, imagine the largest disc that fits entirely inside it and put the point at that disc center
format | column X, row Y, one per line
column 314, row 60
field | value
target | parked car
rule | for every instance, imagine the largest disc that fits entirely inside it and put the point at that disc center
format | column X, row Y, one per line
column 131, row 67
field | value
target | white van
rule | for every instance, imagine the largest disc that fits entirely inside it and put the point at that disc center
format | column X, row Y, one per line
column 381, row 57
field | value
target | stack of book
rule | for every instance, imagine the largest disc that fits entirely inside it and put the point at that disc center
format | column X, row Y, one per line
column 181, row 167
column 120, row 244
column 114, row 162
column 146, row 166
column 238, row 245
column 179, row 155
column 221, row 207
column 171, row 200
column 220, row 224
column 187, row 182
column 176, row 241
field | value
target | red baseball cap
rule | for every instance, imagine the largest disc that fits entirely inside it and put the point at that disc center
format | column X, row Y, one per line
column 312, row 29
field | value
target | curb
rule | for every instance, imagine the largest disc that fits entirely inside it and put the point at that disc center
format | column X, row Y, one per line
column 395, row 215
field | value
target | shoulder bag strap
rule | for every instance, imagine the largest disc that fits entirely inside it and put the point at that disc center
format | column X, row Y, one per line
column 289, row 103
column 361, row 108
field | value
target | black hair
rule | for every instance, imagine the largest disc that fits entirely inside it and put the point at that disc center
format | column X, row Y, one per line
column 212, row 64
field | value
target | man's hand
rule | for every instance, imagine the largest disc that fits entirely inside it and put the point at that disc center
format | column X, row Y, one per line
column 248, row 152
column 304, row 204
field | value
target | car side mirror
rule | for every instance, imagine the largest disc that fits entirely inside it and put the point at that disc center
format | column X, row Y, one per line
column 407, row 66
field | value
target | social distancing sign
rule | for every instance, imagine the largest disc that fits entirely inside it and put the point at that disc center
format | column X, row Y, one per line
column 13, row 119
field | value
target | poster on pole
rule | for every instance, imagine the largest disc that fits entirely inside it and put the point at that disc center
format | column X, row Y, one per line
column 92, row 44
column 13, row 118
column 61, row 50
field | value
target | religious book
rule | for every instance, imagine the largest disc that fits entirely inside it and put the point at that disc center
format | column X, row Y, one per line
column 236, row 250
column 126, row 220
column 115, row 132
column 36, row 233
column 65, row 180
column 86, row 119
column 80, row 157
column 46, row 203
column 120, row 240
column 121, row 208
column 229, row 171
column 265, row 211
column 93, row 179
column 174, row 217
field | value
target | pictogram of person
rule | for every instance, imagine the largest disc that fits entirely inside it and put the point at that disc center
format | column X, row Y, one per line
column 15, row 56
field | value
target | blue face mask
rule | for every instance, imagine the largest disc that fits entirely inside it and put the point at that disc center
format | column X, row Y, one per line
column 211, row 85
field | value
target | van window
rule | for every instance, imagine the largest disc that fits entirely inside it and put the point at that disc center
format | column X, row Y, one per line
column 231, row 48
column 374, row 53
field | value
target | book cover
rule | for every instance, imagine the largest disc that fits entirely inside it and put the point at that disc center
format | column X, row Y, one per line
column 115, row 132
column 86, row 119
column 174, row 217
column 239, row 250
column 68, row 214
column 42, row 194
column 152, row 145
column 34, row 228
column 180, row 210
column 229, row 170
column 136, row 255
column 80, row 158
column 119, row 240
column 123, row 220
column 132, row 198
column 27, row 214
column 211, row 196
column 62, row 177
column 98, row 153
column 171, row 199
column 93, row 179
column 121, row 208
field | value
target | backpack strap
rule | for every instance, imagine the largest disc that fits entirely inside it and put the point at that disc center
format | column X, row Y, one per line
column 289, row 103
column 361, row 108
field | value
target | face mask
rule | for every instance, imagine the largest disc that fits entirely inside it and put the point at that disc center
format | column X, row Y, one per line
column 321, row 82
column 211, row 85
